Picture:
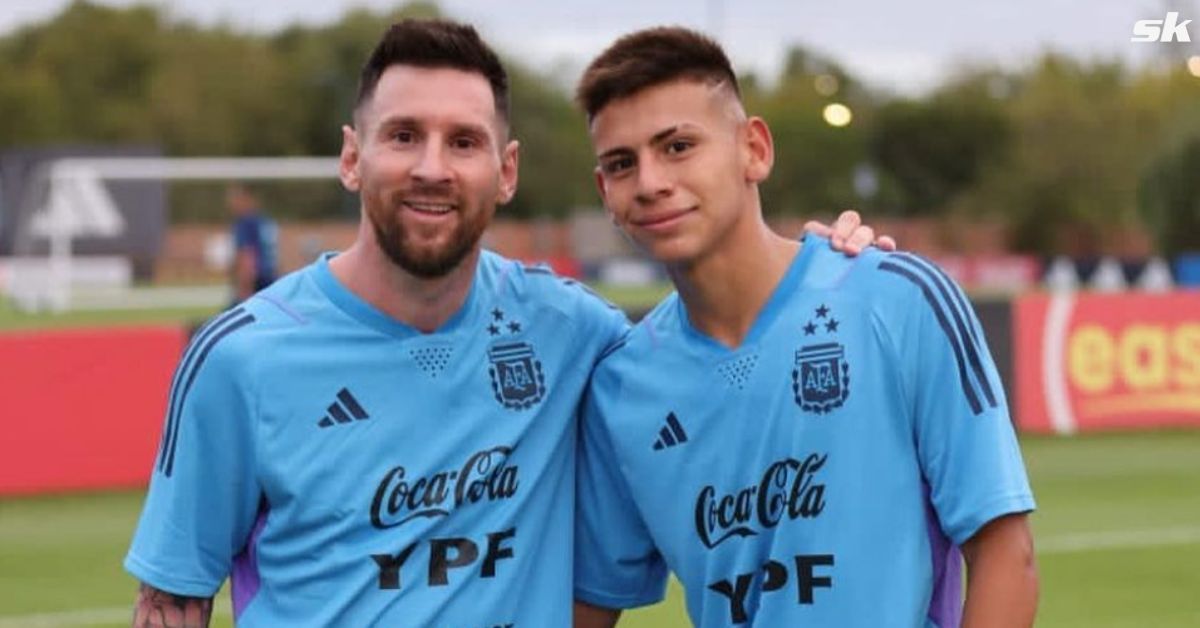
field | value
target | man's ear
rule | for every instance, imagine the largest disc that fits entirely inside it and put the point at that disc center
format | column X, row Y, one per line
column 510, row 160
column 760, row 150
column 598, row 177
column 348, row 160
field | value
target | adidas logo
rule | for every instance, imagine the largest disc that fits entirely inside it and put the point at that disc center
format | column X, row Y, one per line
column 671, row 434
column 342, row 410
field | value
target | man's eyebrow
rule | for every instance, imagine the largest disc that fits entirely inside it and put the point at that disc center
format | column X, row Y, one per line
column 661, row 136
column 395, row 121
column 470, row 127
column 613, row 152
column 392, row 122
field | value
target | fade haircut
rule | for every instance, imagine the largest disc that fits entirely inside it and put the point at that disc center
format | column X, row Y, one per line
column 648, row 58
column 434, row 43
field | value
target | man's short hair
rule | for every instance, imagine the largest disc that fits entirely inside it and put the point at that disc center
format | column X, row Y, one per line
column 648, row 58
column 435, row 43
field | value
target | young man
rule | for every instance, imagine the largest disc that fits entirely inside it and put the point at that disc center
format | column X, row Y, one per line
column 255, row 243
column 802, row 438
column 386, row 437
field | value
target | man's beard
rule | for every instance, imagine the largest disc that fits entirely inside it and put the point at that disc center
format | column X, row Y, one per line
column 424, row 262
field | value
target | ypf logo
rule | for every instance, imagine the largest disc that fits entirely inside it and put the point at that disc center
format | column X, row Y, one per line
column 1163, row 31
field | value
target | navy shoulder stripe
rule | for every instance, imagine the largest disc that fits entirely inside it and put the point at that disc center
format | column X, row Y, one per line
column 185, row 376
column 611, row 349
column 543, row 269
column 198, row 338
column 589, row 291
column 962, row 342
column 961, row 310
column 945, row 284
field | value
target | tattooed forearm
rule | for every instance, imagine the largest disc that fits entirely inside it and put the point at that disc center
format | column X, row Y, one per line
column 159, row 609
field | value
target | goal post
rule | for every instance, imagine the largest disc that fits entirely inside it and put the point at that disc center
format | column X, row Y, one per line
column 70, row 198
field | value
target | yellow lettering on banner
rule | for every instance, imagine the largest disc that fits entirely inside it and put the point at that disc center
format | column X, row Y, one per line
column 1144, row 357
column 1186, row 343
column 1091, row 354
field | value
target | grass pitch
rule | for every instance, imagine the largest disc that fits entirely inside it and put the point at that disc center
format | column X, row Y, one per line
column 631, row 298
column 1117, row 530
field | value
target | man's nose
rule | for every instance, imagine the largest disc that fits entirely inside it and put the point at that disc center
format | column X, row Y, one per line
column 432, row 166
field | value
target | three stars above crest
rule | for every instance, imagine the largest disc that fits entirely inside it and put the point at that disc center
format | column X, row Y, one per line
column 495, row 329
column 831, row 324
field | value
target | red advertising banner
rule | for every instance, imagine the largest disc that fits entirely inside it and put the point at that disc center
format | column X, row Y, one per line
column 82, row 409
column 993, row 273
column 1089, row 362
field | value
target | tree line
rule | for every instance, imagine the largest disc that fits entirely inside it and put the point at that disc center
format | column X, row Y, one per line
column 1062, row 148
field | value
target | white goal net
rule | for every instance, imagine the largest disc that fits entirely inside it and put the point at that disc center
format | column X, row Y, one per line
column 69, row 201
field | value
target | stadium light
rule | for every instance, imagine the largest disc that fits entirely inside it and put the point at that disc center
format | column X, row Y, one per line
column 837, row 115
column 826, row 84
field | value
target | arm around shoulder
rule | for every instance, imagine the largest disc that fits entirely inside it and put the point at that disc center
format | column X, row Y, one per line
column 1002, row 579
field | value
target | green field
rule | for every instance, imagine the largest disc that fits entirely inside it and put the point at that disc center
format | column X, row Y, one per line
column 15, row 320
column 1118, row 535
column 632, row 298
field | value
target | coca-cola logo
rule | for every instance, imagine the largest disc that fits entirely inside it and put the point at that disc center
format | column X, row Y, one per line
column 788, row 488
column 485, row 477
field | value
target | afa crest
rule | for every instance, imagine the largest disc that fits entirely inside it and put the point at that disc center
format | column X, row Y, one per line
column 821, row 375
column 517, row 379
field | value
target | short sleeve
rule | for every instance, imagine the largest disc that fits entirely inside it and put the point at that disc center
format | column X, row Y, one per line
column 616, row 563
column 606, row 324
column 967, row 446
column 203, row 497
column 613, row 328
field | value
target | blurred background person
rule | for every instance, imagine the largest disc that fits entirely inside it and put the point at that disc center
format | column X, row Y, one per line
column 255, row 243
